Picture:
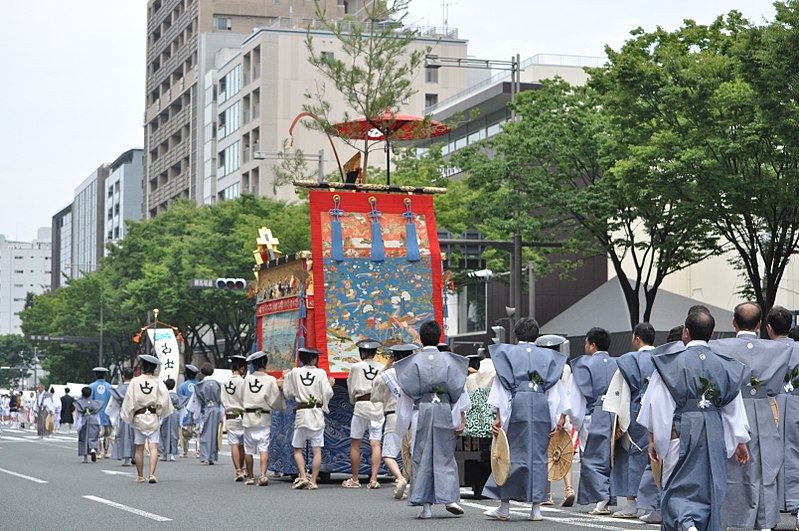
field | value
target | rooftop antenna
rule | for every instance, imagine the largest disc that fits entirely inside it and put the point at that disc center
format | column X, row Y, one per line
column 445, row 11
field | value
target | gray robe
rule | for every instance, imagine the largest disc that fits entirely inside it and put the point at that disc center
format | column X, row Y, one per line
column 87, row 414
column 435, row 473
column 695, row 491
column 751, row 501
column 630, row 461
column 530, row 420
column 648, row 493
column 123, row 444
column 170, row 426
column 592, row 375
column 209, row 395
column 788, row 478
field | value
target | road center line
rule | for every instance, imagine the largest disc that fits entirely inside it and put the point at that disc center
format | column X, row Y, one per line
column 133, row 510
column 23, row 476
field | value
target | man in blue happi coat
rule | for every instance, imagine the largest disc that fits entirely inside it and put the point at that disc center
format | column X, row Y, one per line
column 101, row 391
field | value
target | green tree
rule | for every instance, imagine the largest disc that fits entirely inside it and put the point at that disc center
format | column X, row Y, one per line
column 710, row 107
column 374, row 72
column 558, row 173
column 152, row 268
column 15, row 351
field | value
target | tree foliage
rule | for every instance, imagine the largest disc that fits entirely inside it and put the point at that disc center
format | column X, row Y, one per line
column 375, row 71
column 15, row 351
column 714, row 110
column 152, row 268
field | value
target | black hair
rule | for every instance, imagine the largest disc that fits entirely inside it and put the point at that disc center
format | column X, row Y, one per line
column 599, row 337
column 86, row 392
column 147, row 367
column 66, row 390
column 190, row 374
column 99, row 375
column 793, row 333
column 170, row 383
column 430, row 333
column 367, row 353
column 700, row 325
column 748, row 319
column 261, row 362
column 645, row 332
column 237, row 363
column 443, row 347
column 526, row 329
column 698, row 308
column 127, row 373
column 307, row 358
column 207, row 369
column 52, row 390
column 675, row 334
column 780, row 320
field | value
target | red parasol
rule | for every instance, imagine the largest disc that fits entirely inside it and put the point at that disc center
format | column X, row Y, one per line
column 389, row 126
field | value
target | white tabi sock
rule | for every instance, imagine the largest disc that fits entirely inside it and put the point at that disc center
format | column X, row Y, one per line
column 426, row 512
column 629, row 507
column 504, row 508
column 535, row 511
column 601, row 505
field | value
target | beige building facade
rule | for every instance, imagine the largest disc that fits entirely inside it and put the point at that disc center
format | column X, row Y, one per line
column 253, row 97
column 182, row 39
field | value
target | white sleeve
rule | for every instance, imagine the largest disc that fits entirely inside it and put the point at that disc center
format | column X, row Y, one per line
column 736, row 425
column 404, row 413
column 558, row 402
column 617, row 400
column 463, row 405
column 657, row 413
column 500, row 399
column 577, row 404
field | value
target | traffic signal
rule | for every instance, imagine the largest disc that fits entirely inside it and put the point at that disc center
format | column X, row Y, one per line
column 499, row 331
column 231, row 283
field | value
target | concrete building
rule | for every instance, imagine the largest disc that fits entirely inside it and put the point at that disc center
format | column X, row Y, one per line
column 103, row 202
column 88, row 223
column 25, row 267
column 183, row 37
column 123, row 193
column 260, row 88
column 479, row 303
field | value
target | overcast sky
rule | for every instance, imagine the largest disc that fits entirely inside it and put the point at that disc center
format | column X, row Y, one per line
column 74, row 70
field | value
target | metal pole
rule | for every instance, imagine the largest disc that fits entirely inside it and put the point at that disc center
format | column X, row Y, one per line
column 531, row 289
column 321, row 165
column 516, row 274
column 101, row 331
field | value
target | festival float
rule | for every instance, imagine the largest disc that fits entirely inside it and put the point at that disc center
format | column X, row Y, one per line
column 374, row 271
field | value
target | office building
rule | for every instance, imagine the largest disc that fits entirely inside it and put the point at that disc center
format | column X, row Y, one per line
column 25, row 268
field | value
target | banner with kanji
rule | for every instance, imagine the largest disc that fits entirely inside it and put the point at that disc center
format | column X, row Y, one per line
column 165, row 346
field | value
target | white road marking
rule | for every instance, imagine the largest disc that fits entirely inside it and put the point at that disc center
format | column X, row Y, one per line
column 118, row 473
column 23, row 476
column 139, row 512
column 564, row 517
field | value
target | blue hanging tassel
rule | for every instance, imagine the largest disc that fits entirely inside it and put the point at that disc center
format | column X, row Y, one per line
column 412, row 253
column 336, row 237
column 303, row 311
column 303, row 332
column 378, row 252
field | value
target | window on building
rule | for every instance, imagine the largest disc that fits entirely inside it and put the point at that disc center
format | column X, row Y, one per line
column 223, row 23
column 229, row 160
column 328, row 55
column 430, row 100
column 17, row 258
column 431, row 75
column 471, row 308
column 18, row 272
column 230, row 84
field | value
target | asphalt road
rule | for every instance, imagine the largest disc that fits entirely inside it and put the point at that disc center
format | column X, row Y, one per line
column 44, row 486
